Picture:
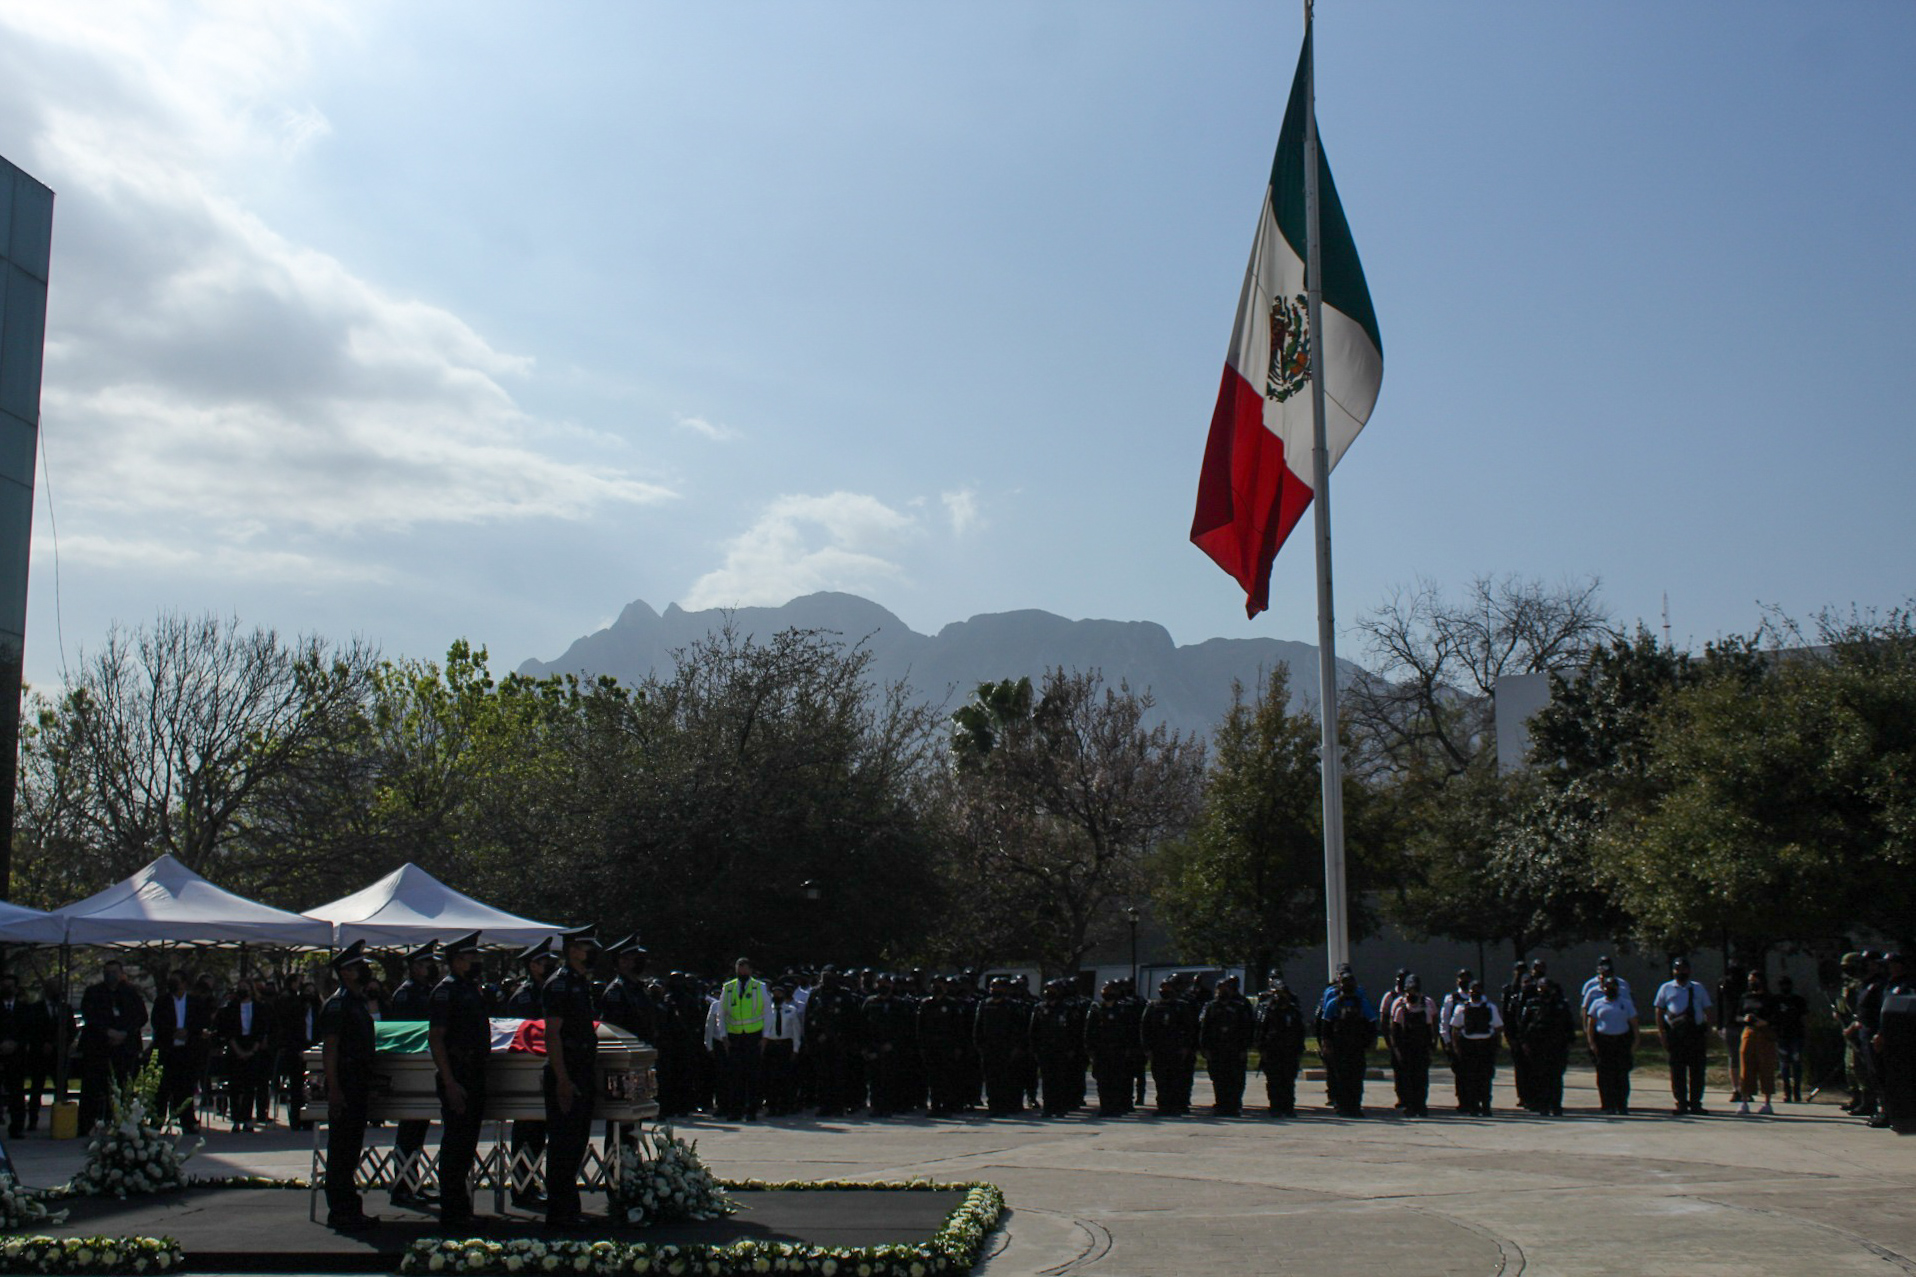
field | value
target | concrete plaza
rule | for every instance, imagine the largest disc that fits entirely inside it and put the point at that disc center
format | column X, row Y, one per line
column 1807, row 1191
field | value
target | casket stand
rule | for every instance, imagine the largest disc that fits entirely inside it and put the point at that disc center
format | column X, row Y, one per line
column 626, row 1092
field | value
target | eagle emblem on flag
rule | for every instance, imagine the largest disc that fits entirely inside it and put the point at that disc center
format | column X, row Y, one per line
column 1290, row 348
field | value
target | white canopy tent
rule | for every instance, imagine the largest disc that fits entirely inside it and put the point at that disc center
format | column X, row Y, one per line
column 167, row 902
column 410, row 907
column 21, row 925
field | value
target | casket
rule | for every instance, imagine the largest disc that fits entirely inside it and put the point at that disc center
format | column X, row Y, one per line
column 626, row 1084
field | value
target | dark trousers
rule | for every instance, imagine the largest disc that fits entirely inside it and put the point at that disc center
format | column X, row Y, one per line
column 1113, row 1072
column 1547, row 1064
column 38, row 1072
column 831, row 1078
column 744, row 1054
column 459, row 1147
column 1523, row 1073
column 250, row 1081
column 409, row 1141
column 1613, row 1071
column 568, row 1131
column 179, row 1083
column 345, row 1137
column 1226, row 1070
column 1280, row 1085
column 528, row 1141
column 1171, row 1074
column 1413, row 1080
column 101, row 1069
column 1344, row 1078
column 950, row 1086
column 781, row 1076
column 1060, row 1089
column 1687, row 1050
column 887, row 1067
column 1004, row 1085
column 1476, row 1070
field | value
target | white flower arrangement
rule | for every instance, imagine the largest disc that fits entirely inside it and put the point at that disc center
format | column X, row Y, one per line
column 128, row 1157
column 22, row 1208
column 953, row 1249
column 90, row 1255
column 662, row 1181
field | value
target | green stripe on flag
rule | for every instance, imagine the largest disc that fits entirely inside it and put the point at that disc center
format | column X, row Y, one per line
column 406, row 1037
column 1344, row 286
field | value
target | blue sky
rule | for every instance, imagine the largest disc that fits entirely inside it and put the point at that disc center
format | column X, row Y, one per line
column 431, row 320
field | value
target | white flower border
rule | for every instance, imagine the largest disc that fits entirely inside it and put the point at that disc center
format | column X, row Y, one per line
column 953, row 1249
column 90, row 1255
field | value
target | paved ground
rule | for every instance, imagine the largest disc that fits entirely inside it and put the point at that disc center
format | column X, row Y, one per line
column 1808, row 1191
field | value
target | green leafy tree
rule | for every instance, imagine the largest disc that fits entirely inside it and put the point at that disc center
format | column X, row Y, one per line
column 1247, row 883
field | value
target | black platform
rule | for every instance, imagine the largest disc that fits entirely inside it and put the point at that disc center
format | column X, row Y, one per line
column 264, row 1230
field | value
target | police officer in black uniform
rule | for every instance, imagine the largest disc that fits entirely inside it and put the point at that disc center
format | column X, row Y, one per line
column 1225, row 1029
column 1168, row 1031
column 346, row 1036
column 944, row 1037
column 461, row 1040
column 1056, row 1040
column 527, row 1002
column 410, row 1004
column 832, row 1017
column 1345, row 1031
column 1280, row 1045
column 625, row 1004
column 1111, row 1040
column 1000, row 1032
column 572, row 1048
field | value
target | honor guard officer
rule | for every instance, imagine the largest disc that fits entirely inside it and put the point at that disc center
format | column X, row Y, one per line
column 346, row 1037
column 625, row 1004
column 1280, row 1044
column 529, row 1138
column 410, row 1004
column 461, row 1039
column 1225, row 1029
column 572, row 1048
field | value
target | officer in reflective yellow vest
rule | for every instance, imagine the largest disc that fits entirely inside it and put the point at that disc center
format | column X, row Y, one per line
column 742, row 1004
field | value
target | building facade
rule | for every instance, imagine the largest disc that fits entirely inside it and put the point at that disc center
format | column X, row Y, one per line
column 26, row 249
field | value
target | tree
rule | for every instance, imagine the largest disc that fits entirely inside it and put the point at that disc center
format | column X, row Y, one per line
column 1058, row 805
column 167, row 739
column 1247, row 883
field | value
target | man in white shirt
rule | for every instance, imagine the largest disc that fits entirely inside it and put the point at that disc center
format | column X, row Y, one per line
column 1682, row 1010
column 784, row 1039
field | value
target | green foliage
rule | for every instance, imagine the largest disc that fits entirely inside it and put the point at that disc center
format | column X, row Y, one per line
column 1247, row 883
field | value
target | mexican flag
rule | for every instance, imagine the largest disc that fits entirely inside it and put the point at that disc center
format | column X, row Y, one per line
column 410, row 1037
column 1256, row 482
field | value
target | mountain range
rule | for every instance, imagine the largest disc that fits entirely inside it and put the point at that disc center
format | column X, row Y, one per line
column 1191, row 683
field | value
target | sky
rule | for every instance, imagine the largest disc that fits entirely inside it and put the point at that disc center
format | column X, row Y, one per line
column 420, row 321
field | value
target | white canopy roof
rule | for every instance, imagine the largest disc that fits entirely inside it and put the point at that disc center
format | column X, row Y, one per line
column 168, row 901
column 21, row 925
column 410, row 906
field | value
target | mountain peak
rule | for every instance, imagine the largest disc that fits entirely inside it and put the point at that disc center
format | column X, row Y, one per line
column 1191, row 684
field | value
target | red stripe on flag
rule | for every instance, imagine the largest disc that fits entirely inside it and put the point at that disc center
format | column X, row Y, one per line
column 1248, row 499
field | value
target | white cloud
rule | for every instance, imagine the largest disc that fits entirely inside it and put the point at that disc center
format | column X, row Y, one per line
column 709, row 429
column 961, row 507
column 156, row 557
column 201, row 364
column 804, row 544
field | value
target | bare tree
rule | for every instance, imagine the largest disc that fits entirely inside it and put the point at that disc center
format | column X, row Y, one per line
column 165, row 736
column 1425, row 706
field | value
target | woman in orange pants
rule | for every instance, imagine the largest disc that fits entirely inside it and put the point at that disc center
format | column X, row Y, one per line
column 1756, row 1014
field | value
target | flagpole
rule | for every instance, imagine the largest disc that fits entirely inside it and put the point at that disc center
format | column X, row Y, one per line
column 1336, row 907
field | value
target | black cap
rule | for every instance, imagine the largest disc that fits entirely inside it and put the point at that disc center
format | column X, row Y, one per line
column 424, row 953
column 1679, row 961
column 629, row 944
column 464, row 944
column 541, row 950
column 353, row 954
column 578, row 935
column 1604, row 962
column 1413, row 983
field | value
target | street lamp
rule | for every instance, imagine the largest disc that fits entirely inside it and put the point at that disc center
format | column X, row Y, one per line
column 1131, row 916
